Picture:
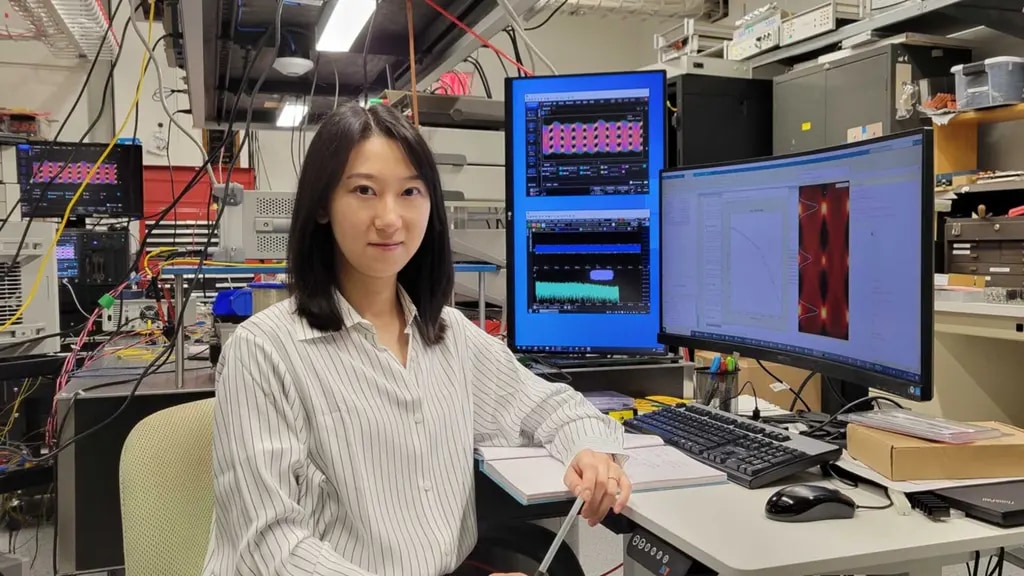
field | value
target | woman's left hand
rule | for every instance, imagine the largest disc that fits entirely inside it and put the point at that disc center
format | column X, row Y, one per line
column 600, row 481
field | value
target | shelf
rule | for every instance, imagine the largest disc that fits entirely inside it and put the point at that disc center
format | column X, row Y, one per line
column 988, row 116
column 1007, row 186
column 888, row 18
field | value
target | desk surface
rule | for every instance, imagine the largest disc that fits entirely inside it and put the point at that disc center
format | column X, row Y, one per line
column 96, row 379
column 724, row 527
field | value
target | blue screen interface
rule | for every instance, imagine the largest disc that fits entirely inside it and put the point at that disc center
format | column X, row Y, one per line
column 584, row 160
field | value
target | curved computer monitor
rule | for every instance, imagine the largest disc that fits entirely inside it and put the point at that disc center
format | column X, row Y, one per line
column 820, row 260
column 583, row 159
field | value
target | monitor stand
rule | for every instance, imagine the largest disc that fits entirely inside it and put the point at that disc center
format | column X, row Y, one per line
column 849, row 391
column 604, row 360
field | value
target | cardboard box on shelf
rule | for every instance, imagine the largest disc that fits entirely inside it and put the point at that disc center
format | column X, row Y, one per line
column 766, row 387
column 899, row 457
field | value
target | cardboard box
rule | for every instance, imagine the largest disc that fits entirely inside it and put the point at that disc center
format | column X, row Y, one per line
column 763, row 383
column 899, row 457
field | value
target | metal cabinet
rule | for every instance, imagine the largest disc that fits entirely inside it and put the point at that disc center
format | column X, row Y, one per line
column 862, row 94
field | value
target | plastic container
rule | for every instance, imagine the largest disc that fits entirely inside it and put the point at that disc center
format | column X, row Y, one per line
column 716, row 389
column 994, row 82
column 266, row 294
column 230, row 303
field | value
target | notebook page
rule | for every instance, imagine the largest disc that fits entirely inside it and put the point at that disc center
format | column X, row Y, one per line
column 492, row 453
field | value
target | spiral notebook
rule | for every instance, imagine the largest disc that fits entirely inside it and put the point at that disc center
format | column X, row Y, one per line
column 536, row 478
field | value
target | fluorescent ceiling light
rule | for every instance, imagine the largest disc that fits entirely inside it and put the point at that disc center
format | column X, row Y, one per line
column 341, row 22
column 291, row 113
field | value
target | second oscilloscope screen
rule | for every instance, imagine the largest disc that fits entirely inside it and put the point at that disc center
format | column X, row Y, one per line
column 588, row 144
column 589, row 262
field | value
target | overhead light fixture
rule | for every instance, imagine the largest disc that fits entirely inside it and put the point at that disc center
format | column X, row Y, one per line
column 291, row 112
column 341, row 22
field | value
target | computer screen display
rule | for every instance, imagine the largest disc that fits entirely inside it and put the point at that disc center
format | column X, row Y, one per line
column 56, row 171
column 66, row 254
column 819, row 260
column 584, row 154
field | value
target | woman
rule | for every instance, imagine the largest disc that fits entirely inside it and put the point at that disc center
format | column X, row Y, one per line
column 347, row 415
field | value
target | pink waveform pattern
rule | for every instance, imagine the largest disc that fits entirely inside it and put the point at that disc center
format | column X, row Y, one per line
column 75, row 173
column 601, row 136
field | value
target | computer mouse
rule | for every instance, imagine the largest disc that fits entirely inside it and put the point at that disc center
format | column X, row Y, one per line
column 809, row 503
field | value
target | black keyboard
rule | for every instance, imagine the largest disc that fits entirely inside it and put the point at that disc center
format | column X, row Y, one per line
column 751, row 454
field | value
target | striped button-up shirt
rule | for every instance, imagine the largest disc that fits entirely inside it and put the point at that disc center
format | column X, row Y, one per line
column 332, row 458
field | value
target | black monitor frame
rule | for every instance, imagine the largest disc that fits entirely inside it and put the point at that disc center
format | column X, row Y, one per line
column 133, row 184
column 827, row 368
column 510, row 258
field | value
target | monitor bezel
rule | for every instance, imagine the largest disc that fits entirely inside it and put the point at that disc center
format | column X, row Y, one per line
column 134, row 187
column 829, row 368
column 510, row 259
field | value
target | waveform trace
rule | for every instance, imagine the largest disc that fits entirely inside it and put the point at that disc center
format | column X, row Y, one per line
column 591, row 138
column 576, row 293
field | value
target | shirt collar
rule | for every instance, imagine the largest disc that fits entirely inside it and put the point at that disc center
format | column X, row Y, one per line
column 350, row 318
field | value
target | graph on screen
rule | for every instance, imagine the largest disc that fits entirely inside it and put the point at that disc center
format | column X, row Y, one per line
column 577, row 292
column 588, row 146
column 597, row 261
column 754, row 252
column 591, row 138
column 73, row 173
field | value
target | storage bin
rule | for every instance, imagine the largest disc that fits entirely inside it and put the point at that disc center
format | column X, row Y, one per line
column 266, row 294
column 994, row 82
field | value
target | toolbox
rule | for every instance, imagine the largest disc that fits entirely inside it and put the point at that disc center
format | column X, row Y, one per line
column 989, row 247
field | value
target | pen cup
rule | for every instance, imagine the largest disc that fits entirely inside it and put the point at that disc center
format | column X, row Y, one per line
column 716, row 389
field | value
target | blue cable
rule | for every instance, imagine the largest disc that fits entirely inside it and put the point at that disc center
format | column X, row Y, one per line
column 291, row 41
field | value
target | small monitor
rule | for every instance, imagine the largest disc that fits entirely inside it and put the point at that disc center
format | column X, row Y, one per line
column 55, row 172
column 583, row 155
column 66, row 254
column 820, row 260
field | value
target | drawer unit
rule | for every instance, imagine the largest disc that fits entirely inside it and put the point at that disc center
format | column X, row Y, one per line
column 460, row 146
column 989, row 247
column 471, row 182
column 978, row 251
column 987, row 269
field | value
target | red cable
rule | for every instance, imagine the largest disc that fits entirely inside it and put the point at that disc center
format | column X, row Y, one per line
column 612, row 570
column 482, row 40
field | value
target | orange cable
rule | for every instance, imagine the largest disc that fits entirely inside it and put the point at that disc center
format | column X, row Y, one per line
column 412, row 64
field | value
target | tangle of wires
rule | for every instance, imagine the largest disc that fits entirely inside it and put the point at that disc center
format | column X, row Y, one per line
column 158, row 358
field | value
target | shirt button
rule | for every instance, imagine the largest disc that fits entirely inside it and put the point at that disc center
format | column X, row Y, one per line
column 418, row 418
column 426, row 486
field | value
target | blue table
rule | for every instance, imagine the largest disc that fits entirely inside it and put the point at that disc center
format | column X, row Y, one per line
column 179, row 273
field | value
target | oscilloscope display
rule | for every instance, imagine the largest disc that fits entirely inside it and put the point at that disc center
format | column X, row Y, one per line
column 581, row 146
column 589, row 262
column 55, row 172
column 583, row 203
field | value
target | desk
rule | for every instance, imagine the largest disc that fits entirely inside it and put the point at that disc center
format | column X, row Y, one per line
column 998, row 321
column 724, row 527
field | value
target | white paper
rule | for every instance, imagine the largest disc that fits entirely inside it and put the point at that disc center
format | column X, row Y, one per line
column 848, row 463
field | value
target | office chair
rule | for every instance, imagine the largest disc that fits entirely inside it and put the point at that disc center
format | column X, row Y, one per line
column 166, row 478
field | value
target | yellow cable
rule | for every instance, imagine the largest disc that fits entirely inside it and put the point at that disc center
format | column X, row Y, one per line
column 88, row 177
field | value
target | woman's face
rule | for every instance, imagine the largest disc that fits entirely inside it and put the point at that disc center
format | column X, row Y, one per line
column 379, row 210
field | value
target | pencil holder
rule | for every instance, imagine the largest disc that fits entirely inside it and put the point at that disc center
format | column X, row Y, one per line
column 716, row 389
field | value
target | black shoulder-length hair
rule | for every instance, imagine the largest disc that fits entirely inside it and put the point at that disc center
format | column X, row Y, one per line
column 313, row 270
